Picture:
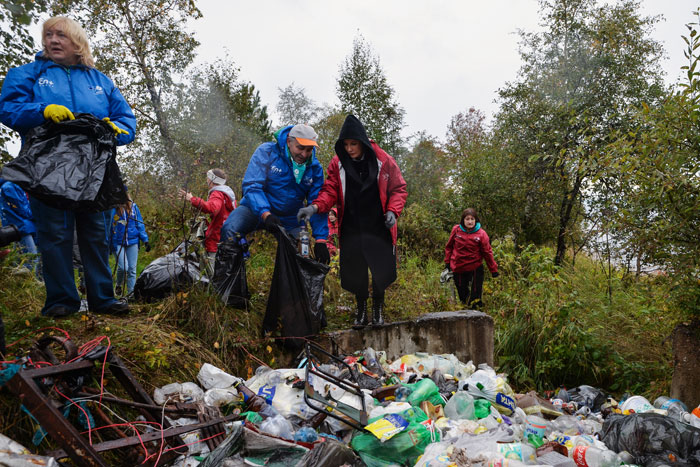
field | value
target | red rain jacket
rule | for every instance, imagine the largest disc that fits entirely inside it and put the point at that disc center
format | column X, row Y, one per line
column 219, row 206
column 466, row 251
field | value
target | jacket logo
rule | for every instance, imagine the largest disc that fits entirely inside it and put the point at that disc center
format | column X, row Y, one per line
column 45, row 82
column 276, row 170
column 385, row 176
column 99, row 90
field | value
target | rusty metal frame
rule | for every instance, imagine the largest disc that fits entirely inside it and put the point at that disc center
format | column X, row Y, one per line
column 74, row 445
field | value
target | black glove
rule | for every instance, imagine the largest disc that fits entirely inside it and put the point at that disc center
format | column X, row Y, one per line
column 148, row 247
column 447, row 266
column 495, row 274
column 272, row 223
column 321, row 253
column 389, row 219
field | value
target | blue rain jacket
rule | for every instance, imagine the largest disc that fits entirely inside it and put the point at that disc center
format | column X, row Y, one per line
column 14, row 207
column 29, row 88
column 132, row 225
column 269, row 185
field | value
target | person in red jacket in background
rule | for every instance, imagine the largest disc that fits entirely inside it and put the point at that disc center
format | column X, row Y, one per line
column 219, row 205
column 333, row 232
column 466, row 249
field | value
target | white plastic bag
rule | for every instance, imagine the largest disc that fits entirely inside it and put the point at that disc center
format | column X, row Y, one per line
column 210, row 377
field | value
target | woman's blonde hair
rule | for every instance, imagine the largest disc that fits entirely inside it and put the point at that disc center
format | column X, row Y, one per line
column 75, row 33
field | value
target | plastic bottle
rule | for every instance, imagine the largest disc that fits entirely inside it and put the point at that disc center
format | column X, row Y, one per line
column 402, row 393
column 304, row 242
column 372, row 362
column 676, row 412
column 563, row 394
column 590, row 456
column 665, row 403
column 254, row 402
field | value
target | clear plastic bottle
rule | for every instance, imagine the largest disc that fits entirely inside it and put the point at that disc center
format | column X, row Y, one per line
column 665, row 403
column 304, row 242
column 590, row 456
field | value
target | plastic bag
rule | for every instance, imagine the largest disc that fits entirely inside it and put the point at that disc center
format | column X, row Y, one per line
column 211, row 377
column 229, row 279
column 70, row 165
column 403, row 449
column 588, row 396
column 296, row 294
column 166, row 275
column 424, row 390
column 278, row 426
column 331, row 453
column 460, row 406
column 652, row 439
column 176, row 392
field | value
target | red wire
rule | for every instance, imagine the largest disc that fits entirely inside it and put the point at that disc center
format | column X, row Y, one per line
column 37, row 332
column 184, row 445
column 130, row 425
column 81, row 409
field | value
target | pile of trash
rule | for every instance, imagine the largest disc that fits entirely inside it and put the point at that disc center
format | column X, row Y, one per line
column 424, row 410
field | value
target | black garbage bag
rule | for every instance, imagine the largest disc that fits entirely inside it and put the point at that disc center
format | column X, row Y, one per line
column 652, row 439
column 331, row 453
column 229, row 279
column 70, row 165
column 589, row 396
column 168, row 274
column 295, row 303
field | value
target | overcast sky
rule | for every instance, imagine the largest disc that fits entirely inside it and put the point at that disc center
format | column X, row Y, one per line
column 440, row 56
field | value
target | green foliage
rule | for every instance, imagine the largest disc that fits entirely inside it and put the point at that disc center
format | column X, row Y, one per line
column 423, row 168
column 555, row 325
column 363, row 91
column 218, row 121
column 295, row 107
column 658, row 168
column 580, row 77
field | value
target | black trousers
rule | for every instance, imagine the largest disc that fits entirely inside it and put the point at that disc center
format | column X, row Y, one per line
column 469, row 286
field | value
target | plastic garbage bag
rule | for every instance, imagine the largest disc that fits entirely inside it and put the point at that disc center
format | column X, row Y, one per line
column 176, row 392
column 165, row 275
column 424, row 390
column 217, row 397
column 278, row 426
column 229, row 279
column 211, row 377
column 331, row 453
column 402, row 449
column 460, row 406
column 262, row 449
column 70, row 165
column 436, row 455
column 230, row 446
column 589, row 396
column 652, row 439
column 295, row 303
column 484, row 383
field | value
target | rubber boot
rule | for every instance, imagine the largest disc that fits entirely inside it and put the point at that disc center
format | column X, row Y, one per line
column 361, row 316
column 377, row 311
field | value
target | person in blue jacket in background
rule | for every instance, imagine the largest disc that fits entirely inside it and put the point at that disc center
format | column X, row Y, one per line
column 128, row 230
column 60, row 82
column 282, row 176
column 15, row 210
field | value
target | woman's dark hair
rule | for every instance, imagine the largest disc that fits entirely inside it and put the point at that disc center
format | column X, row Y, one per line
column 469, row 212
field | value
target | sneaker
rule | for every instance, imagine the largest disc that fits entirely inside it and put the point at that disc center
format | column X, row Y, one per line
column 117, row 308
column 59, row 311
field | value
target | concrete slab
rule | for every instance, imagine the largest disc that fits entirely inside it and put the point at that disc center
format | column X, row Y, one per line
column 467, row 334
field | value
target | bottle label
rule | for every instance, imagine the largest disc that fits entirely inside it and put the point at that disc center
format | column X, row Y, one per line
column 267, row 393
column 511, row 451
column 505, row 402
column 579, row 456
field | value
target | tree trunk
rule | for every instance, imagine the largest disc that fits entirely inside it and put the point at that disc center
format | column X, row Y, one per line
column 567, row 205
column 685, row 385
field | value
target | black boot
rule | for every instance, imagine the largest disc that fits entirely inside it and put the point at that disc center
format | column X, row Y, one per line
column 377, row 311
column 361, row 316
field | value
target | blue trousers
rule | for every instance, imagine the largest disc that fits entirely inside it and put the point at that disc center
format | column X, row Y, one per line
column 243, row 221
column 29, row 248
column 55, row 241
column 127, row 257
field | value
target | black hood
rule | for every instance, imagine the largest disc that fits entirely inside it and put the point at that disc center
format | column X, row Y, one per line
column 353, row 129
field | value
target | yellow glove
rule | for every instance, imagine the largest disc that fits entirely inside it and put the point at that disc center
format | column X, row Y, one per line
column 57, row 113
column 117, row 131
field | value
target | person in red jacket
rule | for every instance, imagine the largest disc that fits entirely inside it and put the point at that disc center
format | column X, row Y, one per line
column 333, row 232
column 219, row 205
column 465, row 252
column 367, row 186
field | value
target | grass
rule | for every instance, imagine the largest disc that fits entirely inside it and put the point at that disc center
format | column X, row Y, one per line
column 553, row 326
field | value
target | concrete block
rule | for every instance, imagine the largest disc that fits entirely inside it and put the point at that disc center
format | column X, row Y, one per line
column 467, row 334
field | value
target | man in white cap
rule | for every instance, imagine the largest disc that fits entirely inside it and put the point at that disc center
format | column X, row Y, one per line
column 220, row 203
column 282, row 176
